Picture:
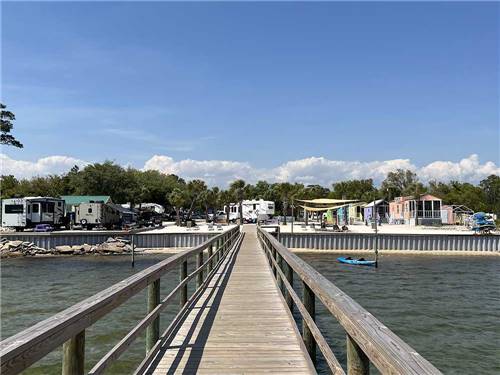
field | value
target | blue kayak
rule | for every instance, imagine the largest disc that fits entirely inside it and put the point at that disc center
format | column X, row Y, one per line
column 356, row 262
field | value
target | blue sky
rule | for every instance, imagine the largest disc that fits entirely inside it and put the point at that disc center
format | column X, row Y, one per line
column 255, row 83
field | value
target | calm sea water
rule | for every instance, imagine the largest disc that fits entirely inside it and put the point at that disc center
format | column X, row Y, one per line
column 447, row 308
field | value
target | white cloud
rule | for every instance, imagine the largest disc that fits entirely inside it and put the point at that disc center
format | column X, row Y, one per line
column 213, row 172
column 322, row 171
column 319, row 170
column 313, row 170
column 468, row 169
column 49, row 165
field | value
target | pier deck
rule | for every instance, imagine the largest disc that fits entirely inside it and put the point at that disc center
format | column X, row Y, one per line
column 239, row 324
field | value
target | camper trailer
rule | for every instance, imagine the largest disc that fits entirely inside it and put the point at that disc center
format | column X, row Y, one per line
column 253, row 210
column 20, row 213
column 97, row 214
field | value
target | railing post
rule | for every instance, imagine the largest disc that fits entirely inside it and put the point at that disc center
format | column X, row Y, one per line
column 278, row 276
column 184, row 289
column 199, row 263
column 289, row 278
column 308, row 299
column 219, row 247
column 357, row 361
column 74, row 355
column 153, row 331
column 210, row 253
column 274, row 257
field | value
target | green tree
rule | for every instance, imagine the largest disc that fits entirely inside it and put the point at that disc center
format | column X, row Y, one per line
column 237, row 189
column 287, row 192
column 262, row 190
column 107, row 178
column 355, row 189
column 401, row 183
column 9, row 186
column 177, row 199
column 6, row 124
column 194, row 190
column 491, row 190
column 209, row 200
column 225, row 199
column 461, row 193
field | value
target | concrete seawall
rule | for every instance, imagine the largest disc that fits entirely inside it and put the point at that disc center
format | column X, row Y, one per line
column 420, row 242
column 320, row 241
column 142, row 240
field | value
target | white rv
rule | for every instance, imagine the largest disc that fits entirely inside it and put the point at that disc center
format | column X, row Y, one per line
column 20, row 213
column 97, row 214
column 253, row 210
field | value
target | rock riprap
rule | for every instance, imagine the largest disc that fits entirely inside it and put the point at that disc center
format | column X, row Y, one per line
column 22, row 248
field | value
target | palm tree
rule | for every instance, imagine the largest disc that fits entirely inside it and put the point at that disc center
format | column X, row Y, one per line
column 225, row 198
column 287, row 192
column 238, row 189
column 177, row 199
column 195, row 189
column 209, row 199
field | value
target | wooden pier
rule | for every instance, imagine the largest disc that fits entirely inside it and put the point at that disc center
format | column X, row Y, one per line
column 238, row 321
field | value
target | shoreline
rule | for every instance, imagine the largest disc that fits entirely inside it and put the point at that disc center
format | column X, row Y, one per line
column 176, row 250
column 399, row 252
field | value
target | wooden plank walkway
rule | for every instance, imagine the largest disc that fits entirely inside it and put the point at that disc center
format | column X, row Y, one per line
column 239, row 325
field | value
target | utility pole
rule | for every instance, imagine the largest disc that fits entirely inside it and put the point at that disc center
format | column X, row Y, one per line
column 132, row 242
column 376, row 232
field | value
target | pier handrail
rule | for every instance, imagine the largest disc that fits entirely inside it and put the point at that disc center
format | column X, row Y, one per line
column 367, row 339
column 67, row 327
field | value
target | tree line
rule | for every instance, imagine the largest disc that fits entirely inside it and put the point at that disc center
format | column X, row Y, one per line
column 129, row 185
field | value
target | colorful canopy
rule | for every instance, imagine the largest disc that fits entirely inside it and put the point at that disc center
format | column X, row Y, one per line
column 317, row 209
column 323, row 201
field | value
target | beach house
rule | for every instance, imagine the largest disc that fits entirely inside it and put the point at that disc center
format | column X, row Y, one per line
column 426, row 209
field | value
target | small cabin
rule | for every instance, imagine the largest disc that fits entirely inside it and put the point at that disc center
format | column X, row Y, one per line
column 382, row 207
column 397, row 209
column 356, row 212
column 427, row 209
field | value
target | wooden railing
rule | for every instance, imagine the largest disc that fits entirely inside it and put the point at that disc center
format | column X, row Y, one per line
column 67, row 328
column 367, row 339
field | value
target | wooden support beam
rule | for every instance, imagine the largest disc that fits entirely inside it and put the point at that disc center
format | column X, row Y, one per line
column 357, row 361
column 278, row 277
column 308, row 299
column 74, row 355
column 153, row 331
column 289, row 278
column 210, row 253
column 199, row 263
column 184, row 290
column 274, row 257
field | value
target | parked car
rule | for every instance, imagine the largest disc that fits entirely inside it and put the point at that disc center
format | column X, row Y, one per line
column 43, row 228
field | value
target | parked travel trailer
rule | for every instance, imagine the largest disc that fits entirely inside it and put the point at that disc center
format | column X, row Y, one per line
column 27, row 212
column 97, row 214
column 253, row 210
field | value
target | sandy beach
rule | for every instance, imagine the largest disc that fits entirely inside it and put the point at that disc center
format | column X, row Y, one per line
column 383, row 229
